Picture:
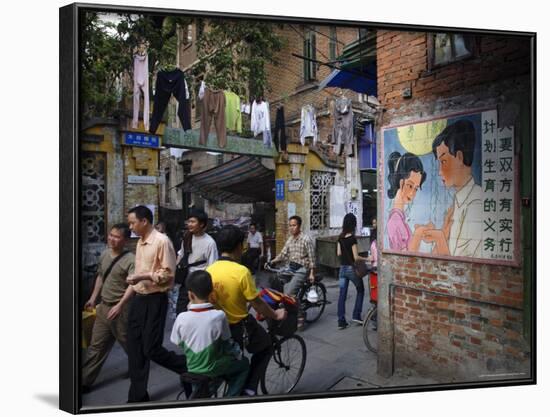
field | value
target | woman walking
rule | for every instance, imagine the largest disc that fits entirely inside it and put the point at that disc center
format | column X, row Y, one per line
column 347, row 251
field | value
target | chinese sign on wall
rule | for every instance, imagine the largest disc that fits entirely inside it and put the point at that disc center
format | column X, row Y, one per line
column 450, row 188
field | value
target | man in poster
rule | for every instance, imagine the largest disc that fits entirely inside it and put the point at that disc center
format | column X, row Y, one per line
column 462, row 229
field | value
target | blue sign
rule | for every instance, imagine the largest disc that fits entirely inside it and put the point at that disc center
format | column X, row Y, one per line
column 141, row 139
column 279, row 190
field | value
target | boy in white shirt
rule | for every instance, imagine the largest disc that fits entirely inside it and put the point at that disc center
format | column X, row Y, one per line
column 203, row 334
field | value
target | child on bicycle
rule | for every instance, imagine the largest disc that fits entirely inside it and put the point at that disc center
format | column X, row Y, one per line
column 203, row 334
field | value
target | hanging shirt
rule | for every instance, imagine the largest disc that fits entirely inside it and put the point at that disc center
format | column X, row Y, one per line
column 245, row 108
column 233, row 119
column 204, row 335
column 202, row 90
column 308, row 125
column 259, row 119
column 343, row 126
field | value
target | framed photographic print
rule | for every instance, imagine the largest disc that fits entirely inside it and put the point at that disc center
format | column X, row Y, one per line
column 223, row 180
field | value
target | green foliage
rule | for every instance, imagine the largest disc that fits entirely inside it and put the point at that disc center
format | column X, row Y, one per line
column 232, row 55
column 108, row 46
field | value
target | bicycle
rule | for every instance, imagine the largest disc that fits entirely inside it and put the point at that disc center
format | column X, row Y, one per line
column 312, row 306
column 283, row 371
column 288, row 357
column 370, row 327
column 203, row 386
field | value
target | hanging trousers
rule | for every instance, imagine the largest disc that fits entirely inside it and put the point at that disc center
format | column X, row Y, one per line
column 213, row 108
column 141, row 83
column 279, row 133
column 146, row 320
column 168, row 83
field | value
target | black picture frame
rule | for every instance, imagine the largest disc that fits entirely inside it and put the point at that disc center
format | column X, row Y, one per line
column 70, row 395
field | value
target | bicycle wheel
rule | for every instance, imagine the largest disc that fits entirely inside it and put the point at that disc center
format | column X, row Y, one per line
column 285, row 366
column 370, row 334
column 313, row 310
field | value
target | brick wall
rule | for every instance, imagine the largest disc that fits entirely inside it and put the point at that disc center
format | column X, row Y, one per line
column 403, row 63
column 287, row 86
column 286, row 79
column 467, row 317
column 455, row 320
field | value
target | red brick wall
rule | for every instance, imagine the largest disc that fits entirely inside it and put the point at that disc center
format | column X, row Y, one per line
column 403, row 62
column 454, row 319
column 467, row 317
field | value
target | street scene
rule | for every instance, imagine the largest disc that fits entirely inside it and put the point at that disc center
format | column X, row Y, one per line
column 336, row 360
column 273, row 208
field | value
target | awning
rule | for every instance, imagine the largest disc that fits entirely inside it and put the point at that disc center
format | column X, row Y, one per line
column 351, row 81
column 241, row 180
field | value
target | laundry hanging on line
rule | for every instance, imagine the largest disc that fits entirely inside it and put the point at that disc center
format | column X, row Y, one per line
column 260, row 121
column 343, row 133
column 279, row 132
column 171, row 83
column 213, row 109
column 141, row 84
column 233, row 118
column 308, row 124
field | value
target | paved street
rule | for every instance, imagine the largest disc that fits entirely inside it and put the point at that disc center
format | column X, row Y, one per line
column 336, row 360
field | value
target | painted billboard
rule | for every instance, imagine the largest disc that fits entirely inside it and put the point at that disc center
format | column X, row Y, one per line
column 450, row 189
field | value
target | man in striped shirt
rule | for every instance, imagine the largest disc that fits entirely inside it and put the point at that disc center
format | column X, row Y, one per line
column 298, row 252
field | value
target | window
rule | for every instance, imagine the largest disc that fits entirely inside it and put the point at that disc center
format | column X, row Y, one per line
column 167, row 187
column 332, row 44
column 310, row 67
column 319, row 204
column 362, row 33
column 445, row 48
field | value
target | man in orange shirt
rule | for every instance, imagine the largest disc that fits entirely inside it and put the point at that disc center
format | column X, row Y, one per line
column 154, row 276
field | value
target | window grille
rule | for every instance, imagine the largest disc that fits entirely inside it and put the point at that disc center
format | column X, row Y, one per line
column 319, row 203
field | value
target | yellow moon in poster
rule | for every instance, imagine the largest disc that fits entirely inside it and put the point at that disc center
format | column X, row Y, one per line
column 417, row 138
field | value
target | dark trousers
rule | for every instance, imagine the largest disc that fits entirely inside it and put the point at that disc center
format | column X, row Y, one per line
column 279, row 134
column 258, row 344
column 168, row 83
column 146, row 320
column 183, row 299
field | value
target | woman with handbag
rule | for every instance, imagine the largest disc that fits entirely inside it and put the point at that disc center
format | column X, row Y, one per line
column 352, row 268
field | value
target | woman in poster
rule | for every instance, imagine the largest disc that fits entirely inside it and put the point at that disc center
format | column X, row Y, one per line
column 406, row 176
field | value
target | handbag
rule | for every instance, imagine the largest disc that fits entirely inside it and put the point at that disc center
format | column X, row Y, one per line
column 182, row 268
column 360, row 268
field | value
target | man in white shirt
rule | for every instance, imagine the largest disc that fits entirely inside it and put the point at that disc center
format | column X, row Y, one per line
column 461, row 233
column 199, row 247
column 255, row 249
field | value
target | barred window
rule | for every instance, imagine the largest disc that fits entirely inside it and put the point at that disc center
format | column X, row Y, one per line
column 446, row 48
column 310, row 51
column 319, row 203
column 93, row 168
